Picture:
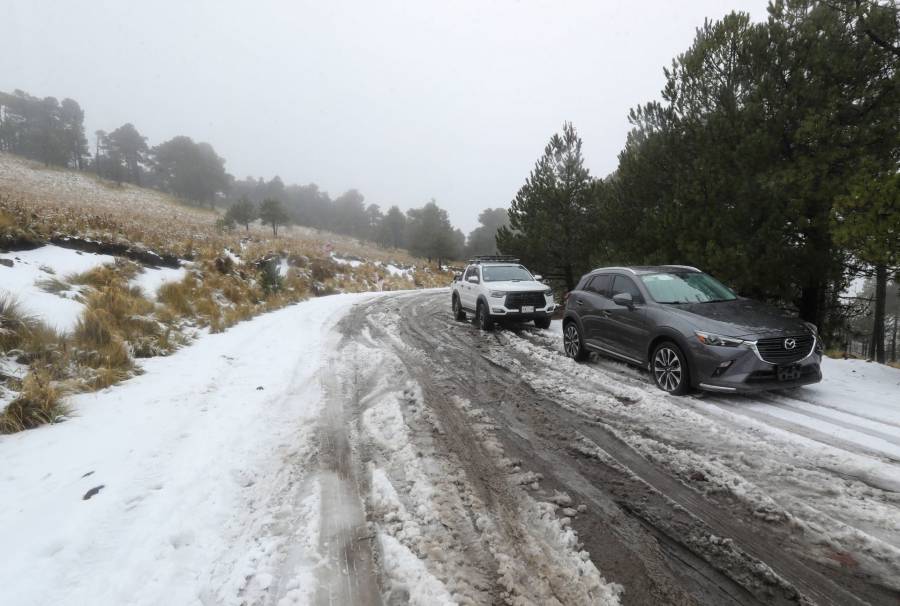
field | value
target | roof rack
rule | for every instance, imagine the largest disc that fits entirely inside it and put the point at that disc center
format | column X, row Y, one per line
column 494, row 259
column 684, row 267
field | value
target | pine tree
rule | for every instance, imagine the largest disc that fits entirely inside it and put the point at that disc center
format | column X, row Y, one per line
column 272, row 212
column 552, row 216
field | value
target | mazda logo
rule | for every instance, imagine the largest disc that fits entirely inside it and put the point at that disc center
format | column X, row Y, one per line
column 790, row 343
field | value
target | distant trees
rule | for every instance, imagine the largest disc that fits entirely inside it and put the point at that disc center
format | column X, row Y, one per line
column 431, row 235
column 272, row 212
column 126, row 152
column 483, row 239
column 190, row 170
column 243, row 212
column 392, row 229
column 43, row 129
column 551, row 218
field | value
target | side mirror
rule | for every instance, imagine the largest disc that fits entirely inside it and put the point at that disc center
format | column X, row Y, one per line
column 538, row 277
column 457, row 276
column 624, row 299
column 473, row 279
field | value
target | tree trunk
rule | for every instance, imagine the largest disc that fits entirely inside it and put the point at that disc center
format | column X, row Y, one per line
column 274, row 229
column 894, row 341
column 878, row 327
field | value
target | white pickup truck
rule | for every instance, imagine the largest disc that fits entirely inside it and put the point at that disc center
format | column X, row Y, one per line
column 500, row 288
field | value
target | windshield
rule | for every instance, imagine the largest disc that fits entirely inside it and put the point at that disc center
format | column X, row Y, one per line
column 505, row 273
column 688, row 287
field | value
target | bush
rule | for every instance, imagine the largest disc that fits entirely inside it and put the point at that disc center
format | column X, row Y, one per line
column 38, row 403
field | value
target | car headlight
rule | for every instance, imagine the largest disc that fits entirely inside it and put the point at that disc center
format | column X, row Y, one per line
column 812, row 328
column 549, row 292
column 497, row 294
column 708, row 338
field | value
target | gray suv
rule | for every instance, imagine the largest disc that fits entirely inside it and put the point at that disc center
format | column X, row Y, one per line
column 689, row 330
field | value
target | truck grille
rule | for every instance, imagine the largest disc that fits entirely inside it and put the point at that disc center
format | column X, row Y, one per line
column 515, row 300
column 776, row 352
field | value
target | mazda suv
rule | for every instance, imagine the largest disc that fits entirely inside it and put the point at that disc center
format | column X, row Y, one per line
column 689, row 330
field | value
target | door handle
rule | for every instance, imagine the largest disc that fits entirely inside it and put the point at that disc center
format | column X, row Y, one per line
column 579, row 301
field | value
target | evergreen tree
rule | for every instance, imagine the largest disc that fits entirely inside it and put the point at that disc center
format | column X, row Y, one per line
column 483, row 239
column 272, row 212
column 126, row 146
column 190, row 170
column 431, row 235
column 243, row 212
column 552, row 216
column 392, row 230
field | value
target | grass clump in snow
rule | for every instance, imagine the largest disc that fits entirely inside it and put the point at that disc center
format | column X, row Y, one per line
column 26, row 339
column 38, row 403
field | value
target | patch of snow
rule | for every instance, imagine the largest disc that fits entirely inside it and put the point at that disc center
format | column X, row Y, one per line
column 406, row 570
column 399, row 272
column 187, row 484
column 152, row 278
column 31, row 267
column 342, row 261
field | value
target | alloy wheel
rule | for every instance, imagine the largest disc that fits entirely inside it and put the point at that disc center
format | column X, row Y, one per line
column 667, row 369
column 571, row 341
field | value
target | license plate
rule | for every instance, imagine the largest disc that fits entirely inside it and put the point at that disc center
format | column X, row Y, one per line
column 527, row 309
column 789, row 373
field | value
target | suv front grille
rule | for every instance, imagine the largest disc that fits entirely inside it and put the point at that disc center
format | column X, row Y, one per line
column 515, row 300
column 775, row 351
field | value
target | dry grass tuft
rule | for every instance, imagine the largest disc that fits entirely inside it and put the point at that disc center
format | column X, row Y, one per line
column 38, row 403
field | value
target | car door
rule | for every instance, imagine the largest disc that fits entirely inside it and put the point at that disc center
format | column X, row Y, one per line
column 627, row 329
column 590, row 304
column 467, row 296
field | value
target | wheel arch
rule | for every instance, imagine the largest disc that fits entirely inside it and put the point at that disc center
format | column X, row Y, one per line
column 670, row 334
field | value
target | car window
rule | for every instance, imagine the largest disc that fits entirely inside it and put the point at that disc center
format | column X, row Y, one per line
column 599, row 284
column 503, row 273
column 623, row 284
column 472, row 271
column 689, row 287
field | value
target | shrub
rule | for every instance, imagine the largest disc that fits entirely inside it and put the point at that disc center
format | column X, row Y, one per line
column 38, row 403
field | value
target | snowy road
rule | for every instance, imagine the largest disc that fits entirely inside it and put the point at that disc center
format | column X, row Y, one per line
column 363, row 449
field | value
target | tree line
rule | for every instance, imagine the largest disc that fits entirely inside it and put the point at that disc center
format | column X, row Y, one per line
column 771, row 161
column 53, row 132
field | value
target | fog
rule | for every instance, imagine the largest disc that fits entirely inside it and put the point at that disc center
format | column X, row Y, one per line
column 403, row 101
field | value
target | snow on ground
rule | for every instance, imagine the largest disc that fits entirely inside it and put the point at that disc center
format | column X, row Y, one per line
column 187, row 484
column 342, row 261
column 33, row 268
column 824, row 458
column 152, row 278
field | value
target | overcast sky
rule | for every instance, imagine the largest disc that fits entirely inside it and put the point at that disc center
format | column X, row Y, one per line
column 404, row 101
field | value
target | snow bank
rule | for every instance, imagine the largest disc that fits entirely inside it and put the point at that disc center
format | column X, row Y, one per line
column 152, row 278
column 31, row 268
column 187, row 484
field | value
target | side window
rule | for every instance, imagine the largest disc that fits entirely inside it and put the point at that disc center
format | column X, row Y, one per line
column 472, row 271
column 623, row 284
column 600, row 285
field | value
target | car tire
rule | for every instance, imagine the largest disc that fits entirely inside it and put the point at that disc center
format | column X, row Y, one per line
column 669, row 369
column 458, row 313
column 573, row 343
column 542, row 322
column 483, row 317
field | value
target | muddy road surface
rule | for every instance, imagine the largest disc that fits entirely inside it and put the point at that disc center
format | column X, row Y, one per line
column 487, row 468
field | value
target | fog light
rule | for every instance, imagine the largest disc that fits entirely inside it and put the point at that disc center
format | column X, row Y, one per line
column 721, row 368
column 497, row 310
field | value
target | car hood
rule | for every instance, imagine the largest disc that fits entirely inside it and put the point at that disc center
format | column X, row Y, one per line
column 523, row 286
column 740, row 318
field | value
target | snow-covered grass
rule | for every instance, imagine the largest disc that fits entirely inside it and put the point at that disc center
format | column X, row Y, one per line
column 187, row 484
column 38, row 281
column 150, row 279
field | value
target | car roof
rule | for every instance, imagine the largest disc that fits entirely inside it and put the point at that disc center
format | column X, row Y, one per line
column 639, row 270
